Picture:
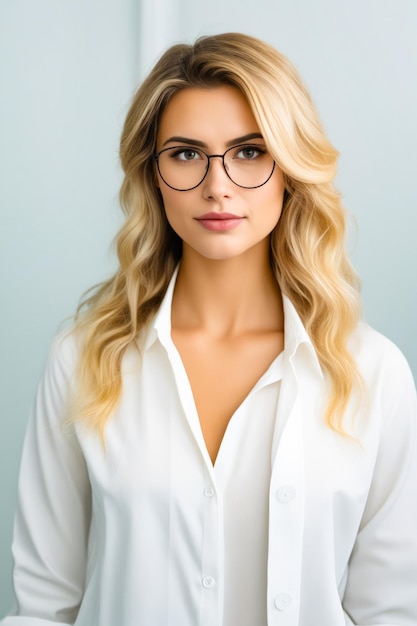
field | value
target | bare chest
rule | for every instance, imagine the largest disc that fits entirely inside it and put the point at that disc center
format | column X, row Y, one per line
column 221, row 373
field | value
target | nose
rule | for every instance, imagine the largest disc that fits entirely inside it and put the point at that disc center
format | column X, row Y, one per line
column 217, row 184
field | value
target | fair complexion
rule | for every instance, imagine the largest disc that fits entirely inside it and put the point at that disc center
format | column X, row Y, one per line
column 227, row 318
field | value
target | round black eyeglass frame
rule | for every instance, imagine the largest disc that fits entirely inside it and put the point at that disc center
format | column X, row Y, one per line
column 209, row 156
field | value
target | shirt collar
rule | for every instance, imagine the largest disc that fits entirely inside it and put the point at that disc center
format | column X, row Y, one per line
column 296, row 339
column 160, row 325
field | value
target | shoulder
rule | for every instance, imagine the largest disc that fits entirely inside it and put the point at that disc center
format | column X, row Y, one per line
column 382, row 365
column 373, row 351
column 63, row 354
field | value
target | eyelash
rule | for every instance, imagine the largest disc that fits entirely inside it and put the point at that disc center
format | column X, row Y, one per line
column 180, row 151
column 240, row 148
column 255, row 148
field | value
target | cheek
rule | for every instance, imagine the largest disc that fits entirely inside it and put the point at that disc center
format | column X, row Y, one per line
column 169, row 202
column 175, row 208
column 273, row 203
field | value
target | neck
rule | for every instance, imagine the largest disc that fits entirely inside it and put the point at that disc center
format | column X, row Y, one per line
column 227, row 297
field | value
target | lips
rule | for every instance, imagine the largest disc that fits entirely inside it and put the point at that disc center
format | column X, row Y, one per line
column 219, row 221
column 219, row 216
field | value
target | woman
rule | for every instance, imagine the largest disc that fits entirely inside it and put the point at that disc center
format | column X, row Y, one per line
column 219, row 440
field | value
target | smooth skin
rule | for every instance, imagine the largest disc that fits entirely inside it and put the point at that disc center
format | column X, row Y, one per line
column 227, row 316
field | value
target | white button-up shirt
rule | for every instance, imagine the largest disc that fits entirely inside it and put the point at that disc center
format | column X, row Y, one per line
column 136, row 533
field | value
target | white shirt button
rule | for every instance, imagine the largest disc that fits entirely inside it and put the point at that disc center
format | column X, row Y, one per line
column 209, row 492
column 208, row 582
column 286, row 493
column 282, row 601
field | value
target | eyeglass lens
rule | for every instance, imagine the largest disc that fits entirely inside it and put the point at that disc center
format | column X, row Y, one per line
column 184, row 168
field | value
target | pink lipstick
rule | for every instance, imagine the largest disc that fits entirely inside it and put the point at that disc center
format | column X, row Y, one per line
column 219, row 221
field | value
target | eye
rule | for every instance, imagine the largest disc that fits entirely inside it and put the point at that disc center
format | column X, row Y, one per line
column 249, row 153
column 185, row 154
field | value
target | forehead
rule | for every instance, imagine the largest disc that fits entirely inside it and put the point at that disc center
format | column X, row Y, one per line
column 207, row 114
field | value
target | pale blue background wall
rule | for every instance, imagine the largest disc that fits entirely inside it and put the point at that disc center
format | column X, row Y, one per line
column 67, row 72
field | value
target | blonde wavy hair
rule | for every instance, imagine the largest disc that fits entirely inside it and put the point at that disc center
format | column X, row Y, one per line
column 307, row 246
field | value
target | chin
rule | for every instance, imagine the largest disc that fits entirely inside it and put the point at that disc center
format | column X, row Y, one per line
column 219, row 255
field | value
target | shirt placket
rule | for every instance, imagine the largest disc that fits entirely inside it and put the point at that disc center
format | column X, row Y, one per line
column 212, row 557
column 286, row 511
column 211, row 574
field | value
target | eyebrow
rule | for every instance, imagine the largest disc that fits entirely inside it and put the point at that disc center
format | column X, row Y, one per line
column 200, row 144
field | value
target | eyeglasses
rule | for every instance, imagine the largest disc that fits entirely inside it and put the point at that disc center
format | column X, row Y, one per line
column 184, row 168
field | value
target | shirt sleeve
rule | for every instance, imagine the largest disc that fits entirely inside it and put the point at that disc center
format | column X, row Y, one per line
column 382, row 582
column 53, row 513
